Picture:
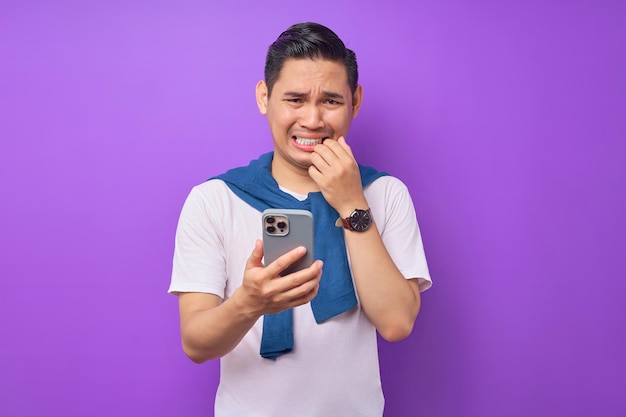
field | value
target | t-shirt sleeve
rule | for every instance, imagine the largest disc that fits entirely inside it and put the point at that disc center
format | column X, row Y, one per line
column 401, row 233
column 199, row 261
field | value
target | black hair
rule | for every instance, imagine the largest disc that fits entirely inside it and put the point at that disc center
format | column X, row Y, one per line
column 309, row 40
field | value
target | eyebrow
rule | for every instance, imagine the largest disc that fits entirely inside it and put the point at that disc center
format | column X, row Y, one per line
column 331, row 94
column 327, row 94
column 294, row 94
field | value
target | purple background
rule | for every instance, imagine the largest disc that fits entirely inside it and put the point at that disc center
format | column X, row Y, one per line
column 507, row 120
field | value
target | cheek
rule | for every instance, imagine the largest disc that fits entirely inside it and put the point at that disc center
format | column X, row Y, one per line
column 281, row 117
column 341, row 122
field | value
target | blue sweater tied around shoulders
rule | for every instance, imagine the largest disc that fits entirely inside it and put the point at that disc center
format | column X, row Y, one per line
column 255, row 185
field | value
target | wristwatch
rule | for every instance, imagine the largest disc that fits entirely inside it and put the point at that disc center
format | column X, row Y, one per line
column 358, row 221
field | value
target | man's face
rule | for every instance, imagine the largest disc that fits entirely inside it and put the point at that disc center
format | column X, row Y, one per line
column 310, row 101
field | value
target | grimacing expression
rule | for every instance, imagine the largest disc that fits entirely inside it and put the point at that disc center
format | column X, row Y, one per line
column 310, row 101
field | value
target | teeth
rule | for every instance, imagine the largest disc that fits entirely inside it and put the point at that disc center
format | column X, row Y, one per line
column 307, row 141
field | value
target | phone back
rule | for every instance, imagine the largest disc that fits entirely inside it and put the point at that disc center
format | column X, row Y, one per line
column 286, row 229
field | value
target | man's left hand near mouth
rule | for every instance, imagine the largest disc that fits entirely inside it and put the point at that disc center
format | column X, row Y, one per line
column 336, row 172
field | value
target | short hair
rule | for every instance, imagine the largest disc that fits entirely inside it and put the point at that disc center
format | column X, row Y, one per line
column 313, row 41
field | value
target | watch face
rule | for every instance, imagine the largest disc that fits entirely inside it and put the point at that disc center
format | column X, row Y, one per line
column 360, row 220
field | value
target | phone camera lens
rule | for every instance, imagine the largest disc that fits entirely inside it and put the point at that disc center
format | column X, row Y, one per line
column 271, row 229
column 281, row 225
column 270, row 220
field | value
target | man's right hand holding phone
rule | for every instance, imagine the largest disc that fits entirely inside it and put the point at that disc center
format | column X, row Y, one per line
column 265, row 291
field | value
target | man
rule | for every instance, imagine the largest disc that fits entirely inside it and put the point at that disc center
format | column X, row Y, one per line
column 228, row 297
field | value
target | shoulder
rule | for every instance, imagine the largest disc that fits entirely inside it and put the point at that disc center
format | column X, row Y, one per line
column 387, row 187
column 213, row 193
column 390, row 200
column 209, row 189
column 211, row 201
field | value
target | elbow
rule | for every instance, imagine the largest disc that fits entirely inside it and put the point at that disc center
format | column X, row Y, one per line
column 400, row 326
column 194, row 355
column 196, row 358
column 397, row 332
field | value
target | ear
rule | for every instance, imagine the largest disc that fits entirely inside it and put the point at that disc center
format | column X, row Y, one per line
column 357, row 99
column 261, row 97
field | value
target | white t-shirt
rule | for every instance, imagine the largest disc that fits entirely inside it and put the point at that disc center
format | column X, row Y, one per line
column 333, row 369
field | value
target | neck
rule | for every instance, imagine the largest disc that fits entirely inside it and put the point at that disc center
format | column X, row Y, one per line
column 293, row 178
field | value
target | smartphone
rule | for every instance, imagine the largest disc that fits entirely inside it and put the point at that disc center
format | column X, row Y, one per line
column 284, row 230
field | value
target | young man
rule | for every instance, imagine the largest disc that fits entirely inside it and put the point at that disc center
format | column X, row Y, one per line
column 324, row 361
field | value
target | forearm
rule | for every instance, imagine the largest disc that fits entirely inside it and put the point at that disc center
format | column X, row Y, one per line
column 211, row 332
column 390, row 301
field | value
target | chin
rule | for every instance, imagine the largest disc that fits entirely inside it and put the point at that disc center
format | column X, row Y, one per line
column 304, row 163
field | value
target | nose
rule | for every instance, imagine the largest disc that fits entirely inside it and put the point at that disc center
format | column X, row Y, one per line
column 311, row 117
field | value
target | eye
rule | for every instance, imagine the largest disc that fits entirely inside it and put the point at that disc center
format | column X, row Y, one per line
column 293, row 99
column 332, row 102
